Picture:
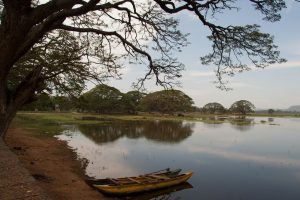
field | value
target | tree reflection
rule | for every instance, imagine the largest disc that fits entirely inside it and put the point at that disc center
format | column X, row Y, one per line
column 242, row 124
column 214, row 120
column 159, row 131
column 239, row 123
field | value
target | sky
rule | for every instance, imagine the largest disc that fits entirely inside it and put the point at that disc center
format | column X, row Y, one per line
column 274, row 87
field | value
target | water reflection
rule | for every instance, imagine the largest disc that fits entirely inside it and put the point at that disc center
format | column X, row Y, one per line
column 262, row 163
column 271, row 119
column 163, row 194
column 241, row 124
column 213, row 120
column 159, row 131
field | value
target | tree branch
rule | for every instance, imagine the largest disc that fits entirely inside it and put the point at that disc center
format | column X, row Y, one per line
column 110, row 33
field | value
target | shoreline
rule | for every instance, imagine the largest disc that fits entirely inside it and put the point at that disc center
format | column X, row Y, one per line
column 55, row 166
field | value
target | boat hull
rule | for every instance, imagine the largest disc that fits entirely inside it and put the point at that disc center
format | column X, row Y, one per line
column 136, row 188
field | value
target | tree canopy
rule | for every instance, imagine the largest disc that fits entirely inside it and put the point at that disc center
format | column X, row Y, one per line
column 131, row 100
column 166, row 101
column 242, row 107
column 102, row 99
column 213, row 108
column 271, row 111
column 108, row 32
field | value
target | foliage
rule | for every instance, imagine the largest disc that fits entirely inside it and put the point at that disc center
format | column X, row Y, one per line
column 102, row 27
column 271, row 111
column 242, row 107
column 58, row 59
column 214, row 108
column 101, row 34
column 102, row 99
column 43, row 103
column 174, row 131
column 46, row 102
column 130, row 101
column 166, row 101
column 64, row 103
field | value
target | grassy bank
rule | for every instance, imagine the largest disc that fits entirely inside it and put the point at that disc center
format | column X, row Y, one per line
column 83, row 118
column 51, row 119
column 48, row 123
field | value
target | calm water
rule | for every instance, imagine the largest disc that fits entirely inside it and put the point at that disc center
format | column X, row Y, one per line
column 256, row 160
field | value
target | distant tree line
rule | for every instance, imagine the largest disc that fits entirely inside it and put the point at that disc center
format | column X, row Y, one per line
column 241, row 107
column 107, row 99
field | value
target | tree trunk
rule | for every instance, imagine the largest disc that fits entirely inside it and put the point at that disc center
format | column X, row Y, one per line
column 5, row 119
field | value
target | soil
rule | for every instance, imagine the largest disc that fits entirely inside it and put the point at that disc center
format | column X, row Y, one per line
column 55, row 167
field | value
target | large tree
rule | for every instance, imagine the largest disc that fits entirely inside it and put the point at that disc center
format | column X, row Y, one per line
column 214, row 108
column 166, row 101
column 130, row 101
column 242, row 107
column 105, row 27
column 102, row 99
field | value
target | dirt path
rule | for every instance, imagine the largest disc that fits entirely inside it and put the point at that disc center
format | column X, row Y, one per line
column 52, row 164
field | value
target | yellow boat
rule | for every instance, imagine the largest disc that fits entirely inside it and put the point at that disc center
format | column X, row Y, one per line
column 147, row 182
column 164, row 193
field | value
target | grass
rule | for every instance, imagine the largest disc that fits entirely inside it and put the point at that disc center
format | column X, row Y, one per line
column 53, row 118
column 48, row 123
column 294, row 115
column 79, row 118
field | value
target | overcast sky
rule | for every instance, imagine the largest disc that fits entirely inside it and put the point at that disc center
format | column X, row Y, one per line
column 274, row 87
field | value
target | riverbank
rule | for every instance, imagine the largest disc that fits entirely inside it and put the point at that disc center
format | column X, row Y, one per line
column 90, row 118
column 51, row 121
column 51, row 163
column 15, row 180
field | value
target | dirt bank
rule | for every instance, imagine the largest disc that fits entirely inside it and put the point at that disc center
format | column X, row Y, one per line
column 52, row 164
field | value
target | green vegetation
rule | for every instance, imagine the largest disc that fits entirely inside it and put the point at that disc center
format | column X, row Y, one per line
column 105, row 99
column 130, row 101
column 45, row 102
column 49, row 124
column 214, row 108
column 81, row 118
column 101, row 99
column 57, row 45
column 242, row 107
column 166, row 101
column 271, row 111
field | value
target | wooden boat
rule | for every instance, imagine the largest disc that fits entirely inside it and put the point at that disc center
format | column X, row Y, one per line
column 147, row 182
column 164, row 193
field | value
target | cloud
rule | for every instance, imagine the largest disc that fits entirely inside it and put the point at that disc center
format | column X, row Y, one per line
column 277, row 161
column 288, row 64
column 242, row 85
column 191, row 74
column 126, row 70
column 196, row 74
column 290, row 6
column 197, row 92
column 109, row 160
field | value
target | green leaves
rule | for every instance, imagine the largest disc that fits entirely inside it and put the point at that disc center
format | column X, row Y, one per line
column 166, row 101
column 242, row 107
column 214, row 108
column 102, row 99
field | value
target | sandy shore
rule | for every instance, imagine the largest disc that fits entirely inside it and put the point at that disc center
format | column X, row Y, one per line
column 55, row 166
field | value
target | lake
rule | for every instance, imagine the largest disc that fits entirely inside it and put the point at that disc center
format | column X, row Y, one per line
column 258, row 158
